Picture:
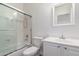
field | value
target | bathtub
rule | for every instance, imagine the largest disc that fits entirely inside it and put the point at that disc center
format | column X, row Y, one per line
column 18, row 52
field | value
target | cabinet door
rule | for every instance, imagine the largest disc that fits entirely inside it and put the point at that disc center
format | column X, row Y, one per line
column 51, row 49
column 69, row 51
column 73, row 51
column 64, row 51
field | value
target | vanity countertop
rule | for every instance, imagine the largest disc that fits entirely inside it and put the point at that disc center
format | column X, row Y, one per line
column 70, row 42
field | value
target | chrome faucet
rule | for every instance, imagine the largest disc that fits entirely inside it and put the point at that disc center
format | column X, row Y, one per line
column 62, row 37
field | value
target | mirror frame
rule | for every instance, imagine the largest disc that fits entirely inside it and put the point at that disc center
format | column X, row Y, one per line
column 72, row 15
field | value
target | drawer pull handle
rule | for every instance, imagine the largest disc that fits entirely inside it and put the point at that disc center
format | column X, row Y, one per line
column 65, row 48
column 58, row 46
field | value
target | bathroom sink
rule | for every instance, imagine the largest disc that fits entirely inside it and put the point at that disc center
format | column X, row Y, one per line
column 72, row 42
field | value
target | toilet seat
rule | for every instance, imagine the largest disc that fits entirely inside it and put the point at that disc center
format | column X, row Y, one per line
column 30, row 51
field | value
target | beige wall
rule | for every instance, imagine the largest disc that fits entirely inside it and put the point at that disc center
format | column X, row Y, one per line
column 23, row 6
column 17, row 5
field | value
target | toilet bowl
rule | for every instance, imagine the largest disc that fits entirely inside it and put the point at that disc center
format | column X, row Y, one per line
column 30, row 51
column 33, row 50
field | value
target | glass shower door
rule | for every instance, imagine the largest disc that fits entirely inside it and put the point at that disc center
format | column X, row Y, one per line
column 15, row 30
column 8, row 30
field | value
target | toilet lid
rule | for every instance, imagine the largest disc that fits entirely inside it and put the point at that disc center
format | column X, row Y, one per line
column 30, row 51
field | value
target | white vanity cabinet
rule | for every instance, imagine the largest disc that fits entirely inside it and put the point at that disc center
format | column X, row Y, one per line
column 55, row 49
column 50, row 49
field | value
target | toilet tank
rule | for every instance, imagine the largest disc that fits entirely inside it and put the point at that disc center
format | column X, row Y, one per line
column 37, row 41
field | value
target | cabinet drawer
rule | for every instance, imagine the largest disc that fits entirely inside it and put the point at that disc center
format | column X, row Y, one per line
column 51, row 44
column 71, row 48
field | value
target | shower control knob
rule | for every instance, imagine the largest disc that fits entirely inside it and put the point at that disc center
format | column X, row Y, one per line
column 26, row 35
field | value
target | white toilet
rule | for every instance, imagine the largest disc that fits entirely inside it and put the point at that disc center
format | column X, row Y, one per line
column 33, row 50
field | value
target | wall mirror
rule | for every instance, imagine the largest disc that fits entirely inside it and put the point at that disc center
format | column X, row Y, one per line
column 63, row 14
